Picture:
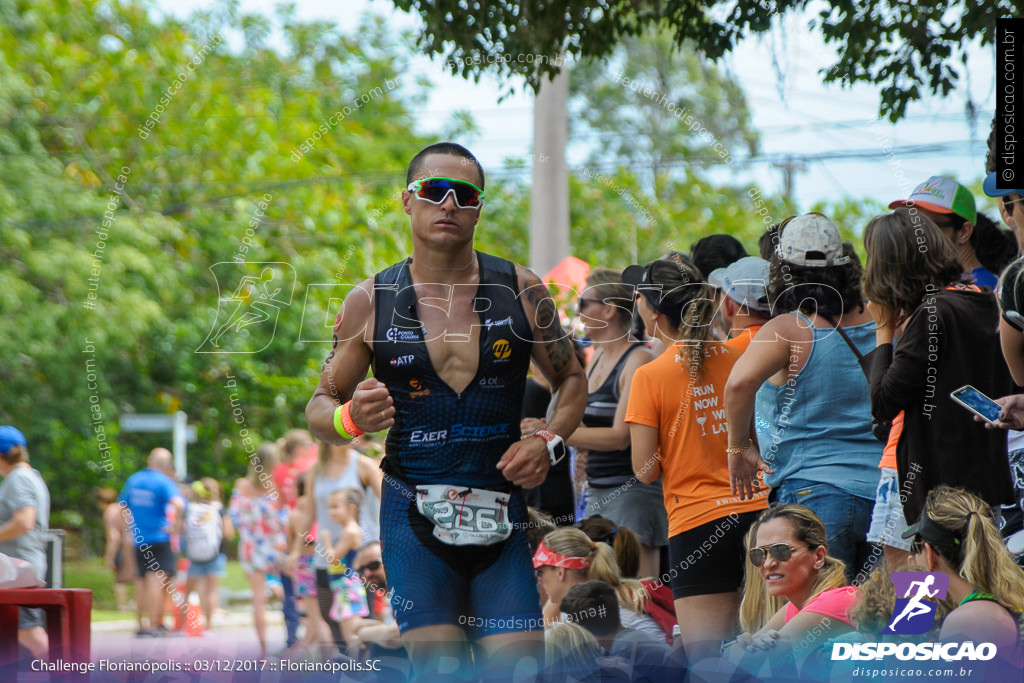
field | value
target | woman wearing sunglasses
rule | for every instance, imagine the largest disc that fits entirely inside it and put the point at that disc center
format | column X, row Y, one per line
column 956, row 536
column 678, row 433
column 793, row 586
column 606, row 311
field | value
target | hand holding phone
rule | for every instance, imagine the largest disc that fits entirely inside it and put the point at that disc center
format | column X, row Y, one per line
column 978, row 403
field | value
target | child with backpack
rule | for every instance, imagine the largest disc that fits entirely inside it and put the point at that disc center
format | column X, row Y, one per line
column 206, row 528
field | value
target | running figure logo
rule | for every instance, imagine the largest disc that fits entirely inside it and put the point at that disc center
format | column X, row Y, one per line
column 916, row 595
column 247, row 319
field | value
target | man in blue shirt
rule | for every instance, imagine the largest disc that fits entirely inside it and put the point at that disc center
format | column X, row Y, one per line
column 144, row 501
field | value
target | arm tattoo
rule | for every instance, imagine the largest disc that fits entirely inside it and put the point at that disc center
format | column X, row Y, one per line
column 330, row 356
column 557, row 345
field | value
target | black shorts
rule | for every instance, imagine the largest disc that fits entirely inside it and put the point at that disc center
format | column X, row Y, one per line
column 154, row 558
column 709, row 558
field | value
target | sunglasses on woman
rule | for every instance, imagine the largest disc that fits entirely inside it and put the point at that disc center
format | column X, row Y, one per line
column 369, row 567
column 1008, row 202
column 779, row 552
column 435, row 190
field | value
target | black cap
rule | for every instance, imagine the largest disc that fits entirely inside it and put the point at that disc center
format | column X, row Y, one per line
column 636, row 275
column 931, row 531
column 640, row 277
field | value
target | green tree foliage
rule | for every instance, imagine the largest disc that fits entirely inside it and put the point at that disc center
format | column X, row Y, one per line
column 139, row 160
column 660, row 110
column 162, row 181
column 656, row 121
column 907, row 49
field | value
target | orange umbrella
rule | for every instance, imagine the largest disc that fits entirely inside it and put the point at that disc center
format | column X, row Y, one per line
column 569, row 277
column 567, row 281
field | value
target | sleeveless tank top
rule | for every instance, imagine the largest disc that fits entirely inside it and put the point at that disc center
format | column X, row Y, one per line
column 324, row 487
column 817, row 426
column 440, row 436
column 1018, row 617
column 608, row 468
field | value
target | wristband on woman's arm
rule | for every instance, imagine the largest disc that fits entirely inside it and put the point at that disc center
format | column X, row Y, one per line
column 735, row 450
column 343, row 423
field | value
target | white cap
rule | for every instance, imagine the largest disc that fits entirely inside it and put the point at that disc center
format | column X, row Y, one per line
column 812, row 241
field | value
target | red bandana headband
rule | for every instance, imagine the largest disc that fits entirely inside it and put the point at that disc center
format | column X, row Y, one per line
column 545, row 556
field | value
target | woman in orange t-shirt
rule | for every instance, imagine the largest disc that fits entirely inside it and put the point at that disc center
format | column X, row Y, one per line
column 678, row 432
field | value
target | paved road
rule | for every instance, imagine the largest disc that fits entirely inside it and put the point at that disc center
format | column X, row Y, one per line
column 228, row 653
column 235, row 638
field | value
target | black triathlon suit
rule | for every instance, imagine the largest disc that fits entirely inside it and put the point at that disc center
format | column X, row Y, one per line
column 443, row 437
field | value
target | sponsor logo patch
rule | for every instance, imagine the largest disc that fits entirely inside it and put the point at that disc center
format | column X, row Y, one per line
column 417, row 389
column 400, row 334
column 501, row 349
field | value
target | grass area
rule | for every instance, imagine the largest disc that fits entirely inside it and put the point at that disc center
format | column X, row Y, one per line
column 111, row 615
column 94, row 575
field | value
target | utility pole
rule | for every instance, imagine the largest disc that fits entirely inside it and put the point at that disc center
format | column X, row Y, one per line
column 788, row 168
column 549, row 194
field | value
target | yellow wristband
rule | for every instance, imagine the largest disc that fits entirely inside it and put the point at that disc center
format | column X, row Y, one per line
column 339, row 425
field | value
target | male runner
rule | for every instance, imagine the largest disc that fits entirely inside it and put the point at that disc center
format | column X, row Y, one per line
column 449, row 333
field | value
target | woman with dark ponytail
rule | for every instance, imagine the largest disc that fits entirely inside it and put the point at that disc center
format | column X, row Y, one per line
column 678, row 432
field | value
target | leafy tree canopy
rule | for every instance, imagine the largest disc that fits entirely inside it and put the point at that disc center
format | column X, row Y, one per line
column 906, row 49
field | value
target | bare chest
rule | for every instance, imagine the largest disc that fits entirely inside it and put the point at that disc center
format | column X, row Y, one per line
column 452, row 333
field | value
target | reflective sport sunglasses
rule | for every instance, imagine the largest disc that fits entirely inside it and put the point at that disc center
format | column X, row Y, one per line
column 435, row 190
column 779, row 551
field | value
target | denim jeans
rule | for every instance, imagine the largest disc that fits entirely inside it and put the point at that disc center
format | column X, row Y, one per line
column 291, row 613
column 847, row 518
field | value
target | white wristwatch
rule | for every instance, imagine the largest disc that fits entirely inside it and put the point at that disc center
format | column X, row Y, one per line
column 555, row 444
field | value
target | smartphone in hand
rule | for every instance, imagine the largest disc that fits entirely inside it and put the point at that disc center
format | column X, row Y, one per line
column 978, row 403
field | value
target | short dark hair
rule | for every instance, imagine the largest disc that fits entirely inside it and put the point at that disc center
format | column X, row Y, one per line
column 768, row 240
column 994, row 247
column 716, row 251
column 833, row 290
column 594, row 606
column 446, row 148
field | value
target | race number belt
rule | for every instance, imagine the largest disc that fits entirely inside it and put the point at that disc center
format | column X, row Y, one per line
column 463, row 515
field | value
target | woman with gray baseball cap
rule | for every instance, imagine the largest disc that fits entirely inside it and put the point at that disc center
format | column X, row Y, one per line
column 813, row 413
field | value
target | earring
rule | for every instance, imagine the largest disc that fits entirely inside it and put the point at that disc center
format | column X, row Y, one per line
column 819, row 565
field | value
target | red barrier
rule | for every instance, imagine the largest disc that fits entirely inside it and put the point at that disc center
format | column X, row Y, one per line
column 68, row 621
